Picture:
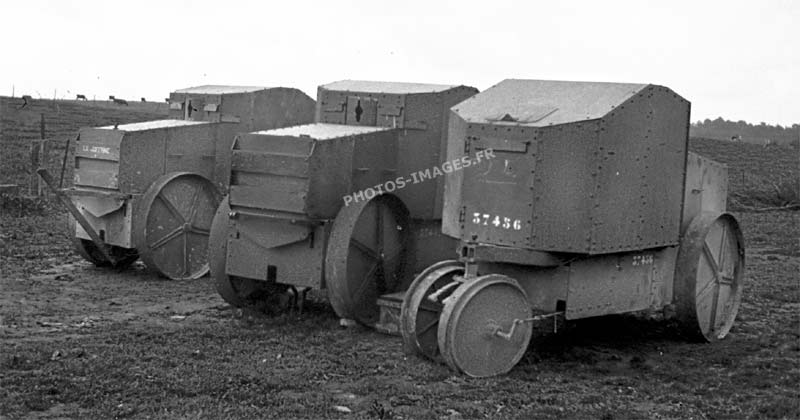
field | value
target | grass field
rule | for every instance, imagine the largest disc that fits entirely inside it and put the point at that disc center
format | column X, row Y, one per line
column 81, row 342
column 758, row 176
column 19, row 125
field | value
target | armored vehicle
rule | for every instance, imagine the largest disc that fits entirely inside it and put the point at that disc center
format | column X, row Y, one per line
column 306, row 207
column 592, row 206
column 150, row 189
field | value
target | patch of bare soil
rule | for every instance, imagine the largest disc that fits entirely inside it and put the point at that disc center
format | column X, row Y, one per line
column 82, row 342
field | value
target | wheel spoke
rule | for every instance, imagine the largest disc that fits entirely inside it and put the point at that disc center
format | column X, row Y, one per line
column 427, row 327
column 369, row 252
column 194, row 206
column 171, row 208
column 705, row 289
column 166, row 238
column 379, row 227
column 366, row 280
column 433, row 307
column 712, row 317
column 185, row 254
column 722, row 248
column 199, row 230
column 711, row 260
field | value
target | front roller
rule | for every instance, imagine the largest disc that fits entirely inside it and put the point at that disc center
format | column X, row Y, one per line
column 422, row 306
column 173, row 222
column 708, row 276
column 484, row 329
column 366, row 256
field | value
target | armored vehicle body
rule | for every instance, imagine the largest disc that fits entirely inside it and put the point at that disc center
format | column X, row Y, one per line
column 592, row 206
column 150, row 189
column 306, row 208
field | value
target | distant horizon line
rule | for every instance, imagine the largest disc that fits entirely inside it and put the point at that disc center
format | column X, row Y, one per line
column 693, row 120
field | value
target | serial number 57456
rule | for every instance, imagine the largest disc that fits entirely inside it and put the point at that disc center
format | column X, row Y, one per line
column 485, row 219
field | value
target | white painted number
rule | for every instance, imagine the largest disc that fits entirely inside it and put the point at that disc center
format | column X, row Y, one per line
column 645, row 259
column 484, row 219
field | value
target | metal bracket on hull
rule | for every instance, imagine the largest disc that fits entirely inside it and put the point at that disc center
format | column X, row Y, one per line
column 64, row 197
column 473, row 252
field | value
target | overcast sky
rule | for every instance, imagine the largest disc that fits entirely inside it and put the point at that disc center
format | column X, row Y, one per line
column 735, row 59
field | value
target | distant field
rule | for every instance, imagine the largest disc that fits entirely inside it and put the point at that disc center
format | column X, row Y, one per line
column 63, row 118
column 755, row 171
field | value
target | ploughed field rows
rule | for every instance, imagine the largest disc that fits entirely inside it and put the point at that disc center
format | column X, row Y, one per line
column 758, row 176
column 19, row 125
column 82, row 342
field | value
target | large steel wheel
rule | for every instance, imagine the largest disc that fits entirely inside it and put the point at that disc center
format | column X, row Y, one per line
column 709, row 275
column 422, row 307
column 123, row 257
column 366, row 256
column 482, row 331
column 173, row 225
column 238, row 291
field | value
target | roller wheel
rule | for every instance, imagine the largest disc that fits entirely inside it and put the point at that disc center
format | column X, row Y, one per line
column 173, row 225
column 238, row 291
column 709, row 276
column 88, row 250
column 367, row 256
column 419, row 315
column 473, row 319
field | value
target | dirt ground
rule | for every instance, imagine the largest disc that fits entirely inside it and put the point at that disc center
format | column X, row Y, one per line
column 82, row 342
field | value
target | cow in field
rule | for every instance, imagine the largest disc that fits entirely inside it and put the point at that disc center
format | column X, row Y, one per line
column 118, row 101
column 80, row 97
column 25, row 101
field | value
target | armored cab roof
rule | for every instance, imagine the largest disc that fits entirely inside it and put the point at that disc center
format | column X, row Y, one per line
column 320, row 131
column 152, row 125
column 386, row 87
column 221, row 89
column 539, row 103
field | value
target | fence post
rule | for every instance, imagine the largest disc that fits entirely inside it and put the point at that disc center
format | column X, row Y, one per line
column 45, row 160
column 33, row 182
column 40, row 150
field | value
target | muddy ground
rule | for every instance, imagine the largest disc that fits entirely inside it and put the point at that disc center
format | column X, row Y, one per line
column 81, row 342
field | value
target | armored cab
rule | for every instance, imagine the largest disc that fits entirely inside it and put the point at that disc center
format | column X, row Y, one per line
column 251, row 108
column 150, row 189
column 589, row 205
column 338, row 204
column 580, row 167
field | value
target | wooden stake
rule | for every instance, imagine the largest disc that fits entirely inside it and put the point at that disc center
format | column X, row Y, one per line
column 33, row 183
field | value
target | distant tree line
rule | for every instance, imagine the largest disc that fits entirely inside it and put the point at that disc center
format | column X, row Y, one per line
column 743, row 131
